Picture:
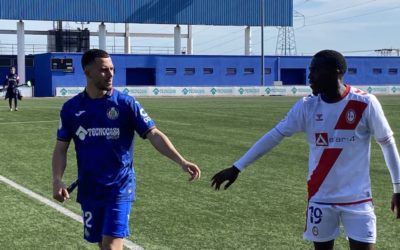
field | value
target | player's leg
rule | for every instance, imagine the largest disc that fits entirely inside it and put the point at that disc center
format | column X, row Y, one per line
column 360, row 225
column 328, row 245
column 322, row 226
column 15, row 103
column 357, row 245
column 112, row 243
column 10, row 103
column 116, row 225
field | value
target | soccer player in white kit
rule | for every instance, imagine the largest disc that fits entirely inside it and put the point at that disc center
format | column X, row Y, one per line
column 339, row 121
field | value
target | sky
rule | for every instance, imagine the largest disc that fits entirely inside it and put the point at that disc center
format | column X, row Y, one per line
column 353, row 27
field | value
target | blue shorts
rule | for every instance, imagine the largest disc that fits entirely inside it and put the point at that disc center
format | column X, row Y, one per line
column 108, row 219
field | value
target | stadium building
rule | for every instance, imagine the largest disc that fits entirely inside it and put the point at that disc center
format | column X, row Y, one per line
column 60, row 69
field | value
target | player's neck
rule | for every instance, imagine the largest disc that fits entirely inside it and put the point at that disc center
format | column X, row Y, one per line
column 337, row 94
column 94, row 93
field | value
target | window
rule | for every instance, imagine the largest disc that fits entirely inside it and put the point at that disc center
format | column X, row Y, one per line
column 352, row 71
column 5, row 62
column 231, row 71
column 248, row 71
column 267, row 71
column 189, row 71
column 393, row 71
column 377, row 71
column 170, row 71
column 208, row 71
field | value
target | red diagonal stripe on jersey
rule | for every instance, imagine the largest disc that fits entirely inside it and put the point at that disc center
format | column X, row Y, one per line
column 325, row 164
column 351, row 115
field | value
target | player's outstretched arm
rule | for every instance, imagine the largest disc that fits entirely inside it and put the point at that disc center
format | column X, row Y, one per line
column 227, row 174
column 163, row 145
column 59, row 163
column 392, row 160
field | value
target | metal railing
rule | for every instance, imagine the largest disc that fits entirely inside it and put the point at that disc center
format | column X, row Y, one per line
column 30, row 49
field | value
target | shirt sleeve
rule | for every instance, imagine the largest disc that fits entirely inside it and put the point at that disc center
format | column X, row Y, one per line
column 143, row 122
column 392, row 160
column 377, row 121
column 294, row 121
column 260, row 148
column 64, row 132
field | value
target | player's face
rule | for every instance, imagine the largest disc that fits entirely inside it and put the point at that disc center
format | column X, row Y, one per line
column 12, row 70
column 100, row 73
column 323, row 79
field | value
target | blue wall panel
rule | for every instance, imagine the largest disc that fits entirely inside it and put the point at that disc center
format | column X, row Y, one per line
column 189, row 70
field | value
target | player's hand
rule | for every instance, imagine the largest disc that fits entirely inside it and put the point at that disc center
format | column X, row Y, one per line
column 396, row 205
column 228, row 174
column 60, row 192
column 192, row 169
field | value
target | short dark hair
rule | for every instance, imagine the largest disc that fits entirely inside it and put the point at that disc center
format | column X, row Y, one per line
column 333, row 59
column 90, row 55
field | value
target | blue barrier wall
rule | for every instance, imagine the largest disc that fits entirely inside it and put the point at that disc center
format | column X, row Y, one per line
column 185, row 70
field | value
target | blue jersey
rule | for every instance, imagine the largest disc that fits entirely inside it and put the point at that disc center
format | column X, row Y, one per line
column 103, row 132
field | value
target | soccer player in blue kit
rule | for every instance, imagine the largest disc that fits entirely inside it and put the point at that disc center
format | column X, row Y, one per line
column 102, row 121
column 12, row 81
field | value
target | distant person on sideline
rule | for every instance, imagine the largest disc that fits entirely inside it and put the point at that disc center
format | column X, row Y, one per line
column 102, row 123
column 339, row 121
column 11, row 84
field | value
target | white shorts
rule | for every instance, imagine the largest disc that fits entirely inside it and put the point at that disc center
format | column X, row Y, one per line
column 323, row 222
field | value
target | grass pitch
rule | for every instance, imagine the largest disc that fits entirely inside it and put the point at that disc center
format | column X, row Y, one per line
column 264, row 209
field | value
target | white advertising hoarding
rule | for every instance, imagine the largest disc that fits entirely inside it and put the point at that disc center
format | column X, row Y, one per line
column 219, row 91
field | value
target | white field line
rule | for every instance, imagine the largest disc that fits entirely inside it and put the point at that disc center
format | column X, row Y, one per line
column 127, row 243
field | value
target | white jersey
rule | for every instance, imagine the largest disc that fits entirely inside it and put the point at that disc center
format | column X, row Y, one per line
column 338, row 135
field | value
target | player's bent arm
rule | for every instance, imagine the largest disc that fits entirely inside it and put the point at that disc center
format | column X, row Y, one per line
column 163, row 145
column 260, row 148
column 392, row 160
column 59, row 163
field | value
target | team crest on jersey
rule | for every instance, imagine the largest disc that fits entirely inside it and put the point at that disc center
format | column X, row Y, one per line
column 350, row 116
column 86, row 232
column 315, row 231
column 321, row 139
column 112, row 113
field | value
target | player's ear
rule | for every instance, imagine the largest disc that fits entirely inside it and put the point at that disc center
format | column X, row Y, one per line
column 87, row 72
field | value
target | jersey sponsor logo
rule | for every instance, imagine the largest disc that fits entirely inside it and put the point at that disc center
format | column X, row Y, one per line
column 109, row 133
column 321, row 139
column 351, row 115
column 60, row 124
column 81, row 133
column 79, row 113
column 146, row 117
column 112, row 113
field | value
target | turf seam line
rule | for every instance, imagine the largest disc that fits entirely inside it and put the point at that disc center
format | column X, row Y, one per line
column 28, row 122
column 127, row 243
